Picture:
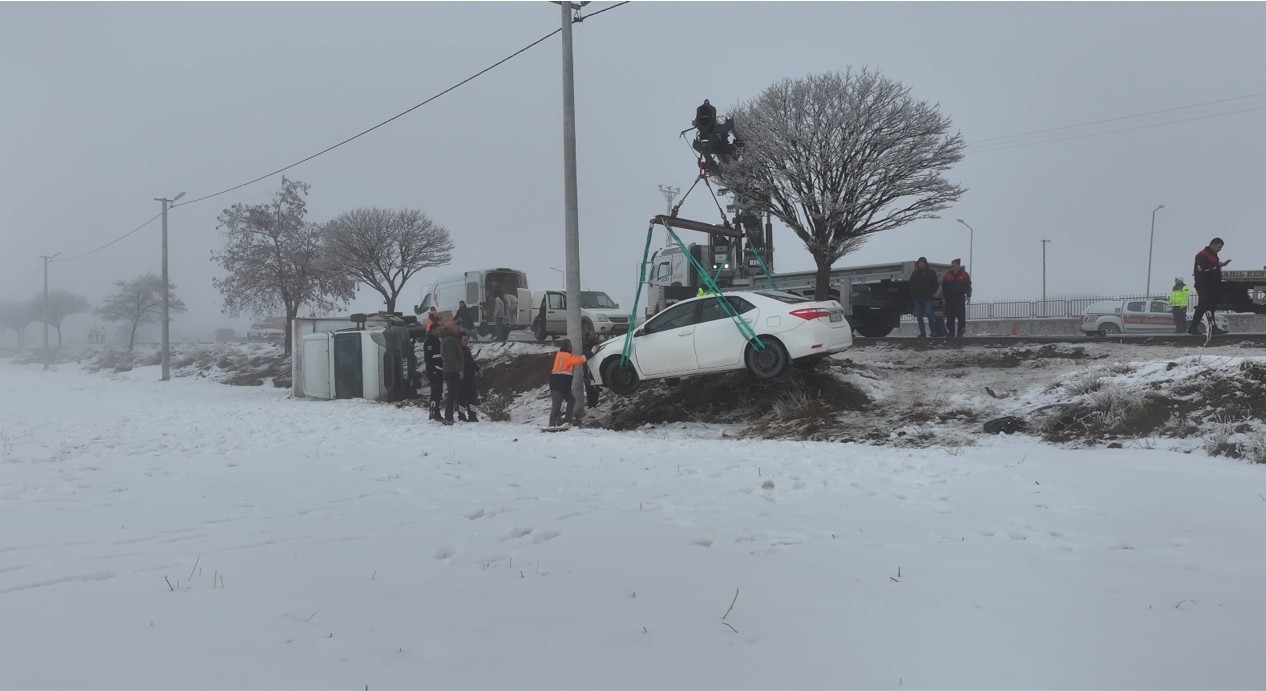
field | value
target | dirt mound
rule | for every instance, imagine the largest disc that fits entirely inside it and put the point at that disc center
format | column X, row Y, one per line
column 517, row 374
column 799, row 404
column 1008, row 356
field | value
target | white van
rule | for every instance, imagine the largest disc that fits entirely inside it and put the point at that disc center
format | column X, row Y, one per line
column 477, row 288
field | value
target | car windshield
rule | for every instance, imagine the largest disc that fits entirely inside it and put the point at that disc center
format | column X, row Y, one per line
column 596, row 300
column 782, row 297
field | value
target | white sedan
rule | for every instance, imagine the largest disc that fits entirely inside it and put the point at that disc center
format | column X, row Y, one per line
column 700, row 335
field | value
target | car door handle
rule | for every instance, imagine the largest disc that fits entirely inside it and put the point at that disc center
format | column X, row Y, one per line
column 685, row 333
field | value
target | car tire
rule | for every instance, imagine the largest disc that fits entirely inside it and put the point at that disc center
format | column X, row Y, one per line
column 769, row 362
column 621, row 379
column 1109, row 330
column 585, row 326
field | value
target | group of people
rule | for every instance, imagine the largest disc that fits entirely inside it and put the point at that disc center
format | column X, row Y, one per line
column 954, row 288
column 450, row 369
column 1207, row 272
column 504, row 307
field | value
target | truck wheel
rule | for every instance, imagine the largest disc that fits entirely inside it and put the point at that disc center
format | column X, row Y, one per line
column 871, row 323
column 621, row 379
column 768, row 362
column 1109, row 330
column 538, row 330
column 585, row 326
column 483, row 330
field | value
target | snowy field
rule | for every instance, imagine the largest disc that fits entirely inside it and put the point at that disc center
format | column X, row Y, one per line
column 190, row 534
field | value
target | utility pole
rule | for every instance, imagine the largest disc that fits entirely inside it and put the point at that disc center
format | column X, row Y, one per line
column 166, row 291
column 571, row 210
column 1150, row 239
column 1044, row 242
column 46, row 313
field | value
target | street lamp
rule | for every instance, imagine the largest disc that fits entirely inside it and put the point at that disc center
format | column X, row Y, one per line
column 166, row 291
column 971, row 245
column 1150, row 238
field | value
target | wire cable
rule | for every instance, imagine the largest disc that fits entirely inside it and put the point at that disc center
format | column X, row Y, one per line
column 130, row 232
column 1123, row 117
column 15, row 279
column 1004, row 146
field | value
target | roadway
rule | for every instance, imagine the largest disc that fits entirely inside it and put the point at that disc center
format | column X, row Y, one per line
column 1238, row 340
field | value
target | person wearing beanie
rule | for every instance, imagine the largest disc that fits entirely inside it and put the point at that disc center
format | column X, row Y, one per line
column 1178, row 299
column 923, row 286
column 560, row 381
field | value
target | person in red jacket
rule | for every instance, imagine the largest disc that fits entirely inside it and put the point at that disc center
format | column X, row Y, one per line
column 1208, row 274
column 956, row 291
column 560, row 380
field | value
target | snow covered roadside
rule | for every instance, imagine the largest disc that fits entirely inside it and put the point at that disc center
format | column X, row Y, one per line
column 344, row 544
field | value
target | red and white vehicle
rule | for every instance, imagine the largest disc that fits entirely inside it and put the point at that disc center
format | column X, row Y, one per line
column 698, row 336
column 1138, row 316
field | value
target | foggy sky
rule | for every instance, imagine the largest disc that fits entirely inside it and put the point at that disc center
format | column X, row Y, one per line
column 107, row 106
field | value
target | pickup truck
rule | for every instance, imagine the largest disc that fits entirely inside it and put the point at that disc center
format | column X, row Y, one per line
column 598, row 312
column 1137, row 316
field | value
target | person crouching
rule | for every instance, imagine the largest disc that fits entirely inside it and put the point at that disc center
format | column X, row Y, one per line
column 560, row 381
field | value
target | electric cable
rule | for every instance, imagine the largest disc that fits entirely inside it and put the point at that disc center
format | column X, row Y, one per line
column 130, row 232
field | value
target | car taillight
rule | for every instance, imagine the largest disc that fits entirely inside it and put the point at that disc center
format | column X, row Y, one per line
column 811, row 313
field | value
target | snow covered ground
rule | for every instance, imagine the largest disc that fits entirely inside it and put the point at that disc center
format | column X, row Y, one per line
column 189, row 534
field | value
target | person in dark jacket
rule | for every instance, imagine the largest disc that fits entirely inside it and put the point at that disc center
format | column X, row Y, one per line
column 956, row 291
column 454, row 364
column 923, row 287
column 467, row 396
column 592, row 339
column 1208, row 275
column 464, row 318
column 560, row 381
column 433, row 365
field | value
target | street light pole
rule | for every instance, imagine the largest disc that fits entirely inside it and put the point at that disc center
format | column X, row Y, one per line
column 166, row 291
column 46, row 314
column 571, row 210
column 1044, row 277
column 1150, row 239
column 971, row 247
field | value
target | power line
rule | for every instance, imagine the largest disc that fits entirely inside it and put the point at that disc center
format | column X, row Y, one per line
column 130, row 232
column 1122, row 117
column 358, row 135
column 1005, row 146
column 15, row 279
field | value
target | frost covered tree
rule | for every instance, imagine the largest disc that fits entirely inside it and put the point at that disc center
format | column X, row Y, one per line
column 838, row 157
column 61, row 304
column 273, row 258
column 139, row 301
column 17, row 316
column 383, row 249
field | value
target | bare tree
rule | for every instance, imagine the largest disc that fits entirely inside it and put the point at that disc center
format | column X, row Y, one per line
column 139, row 301
column 838, row 157
column 383, row 249
column 274, row 259
column 61, row 304
column 17, row 316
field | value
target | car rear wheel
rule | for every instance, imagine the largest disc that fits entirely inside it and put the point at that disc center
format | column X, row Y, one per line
column 1109, row 330
column 620, row 378
column 769, row 362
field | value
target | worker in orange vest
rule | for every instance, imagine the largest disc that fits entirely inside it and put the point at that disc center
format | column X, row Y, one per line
column 560, row 380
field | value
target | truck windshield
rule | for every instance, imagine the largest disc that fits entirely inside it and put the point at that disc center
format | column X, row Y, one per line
column 596, row 300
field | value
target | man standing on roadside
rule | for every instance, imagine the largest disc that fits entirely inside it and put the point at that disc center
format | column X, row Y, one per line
column 923, row 286
column 1208, row 274
column 956, row 291
column 1178, row 299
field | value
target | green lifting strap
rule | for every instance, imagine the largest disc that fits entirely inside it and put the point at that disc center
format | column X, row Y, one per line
column 637, row 296
column 743, row 327
column 766, row 270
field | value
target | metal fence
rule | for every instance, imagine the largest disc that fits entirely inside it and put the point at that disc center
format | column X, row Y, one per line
column 1068, row 308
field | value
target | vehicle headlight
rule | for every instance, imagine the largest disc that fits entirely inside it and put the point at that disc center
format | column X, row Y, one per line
column 603, row 318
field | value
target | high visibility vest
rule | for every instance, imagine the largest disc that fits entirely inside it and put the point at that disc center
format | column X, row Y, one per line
column 1180, row 298
column 564, row 362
